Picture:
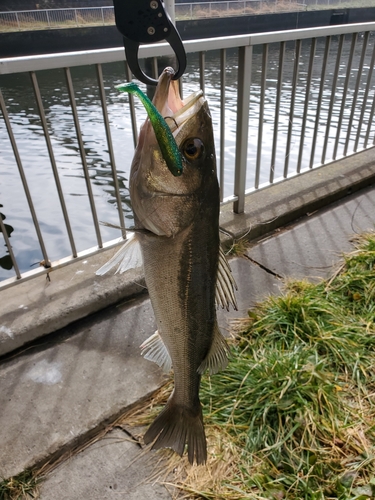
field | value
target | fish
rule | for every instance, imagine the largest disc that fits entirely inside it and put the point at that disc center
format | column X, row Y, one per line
column 176, row 221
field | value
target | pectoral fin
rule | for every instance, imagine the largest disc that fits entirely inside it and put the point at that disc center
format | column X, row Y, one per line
column 128, row 257
column 225, row 284
column 218, row 356
column 155, row 350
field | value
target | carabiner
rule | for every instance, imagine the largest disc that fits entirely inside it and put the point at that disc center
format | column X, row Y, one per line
column 146, row 21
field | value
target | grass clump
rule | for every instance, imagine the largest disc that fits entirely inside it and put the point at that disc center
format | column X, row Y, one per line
column 19, row 487
column 292, row 417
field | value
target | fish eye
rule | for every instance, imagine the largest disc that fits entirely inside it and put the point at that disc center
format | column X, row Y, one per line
column 193, row 149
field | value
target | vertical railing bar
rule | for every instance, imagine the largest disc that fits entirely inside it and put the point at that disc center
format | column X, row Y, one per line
column 133, row 116
column 55, row 171
column 320, row 98
column 242, row 129
column 345, row 93
column 181, row 88
column 99, row 73
column 222, row 120
column 202, row 67
column 24, row 180
column 155, row 71
column 365, row 96
column 333, row 96
column 261, row 114
column 9, row 247
column 306, row 106
column 356, row 90
column 48, row 21
column 69, row 82
column 292, row 104
column 372, row 112
column 277, row 109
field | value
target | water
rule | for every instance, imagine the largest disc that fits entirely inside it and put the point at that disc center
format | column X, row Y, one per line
column 22, row 109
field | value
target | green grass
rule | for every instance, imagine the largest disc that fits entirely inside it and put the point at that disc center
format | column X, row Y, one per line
column 292, row 417
column 23, row 486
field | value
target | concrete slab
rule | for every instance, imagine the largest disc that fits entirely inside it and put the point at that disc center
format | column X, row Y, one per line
column 282, row 203
column 54, row 396
column 112, row 468
column 33, row 308
column 313, row 246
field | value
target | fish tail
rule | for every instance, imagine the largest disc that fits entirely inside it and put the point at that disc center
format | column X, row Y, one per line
column 176, row 426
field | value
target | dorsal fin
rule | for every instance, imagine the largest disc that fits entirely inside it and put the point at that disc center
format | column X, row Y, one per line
column 218, row 355
column 225, row 284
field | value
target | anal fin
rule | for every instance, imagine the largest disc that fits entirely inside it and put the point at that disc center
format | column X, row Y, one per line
column 154, row 349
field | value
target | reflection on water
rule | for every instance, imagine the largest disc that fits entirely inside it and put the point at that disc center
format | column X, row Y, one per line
column 28, row 133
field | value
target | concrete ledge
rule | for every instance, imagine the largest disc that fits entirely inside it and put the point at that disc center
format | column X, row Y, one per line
column 282, row 203
column 37, row 307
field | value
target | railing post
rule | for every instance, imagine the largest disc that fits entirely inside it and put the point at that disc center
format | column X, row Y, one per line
column 202, row 67
column 18, row 22
column 222, row 120
column 47, row 16
column 242, row 129
column 261, row 115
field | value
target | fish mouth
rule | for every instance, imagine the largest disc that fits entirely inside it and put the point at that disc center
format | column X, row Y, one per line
column 168, row 102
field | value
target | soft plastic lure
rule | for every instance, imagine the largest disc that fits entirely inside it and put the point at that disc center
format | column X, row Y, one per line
column 164, row 136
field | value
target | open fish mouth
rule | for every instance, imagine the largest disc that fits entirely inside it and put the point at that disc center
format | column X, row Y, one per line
column 191, row 106
column 168, row 102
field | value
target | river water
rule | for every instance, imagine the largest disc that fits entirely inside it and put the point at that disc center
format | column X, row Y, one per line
column 20, row 101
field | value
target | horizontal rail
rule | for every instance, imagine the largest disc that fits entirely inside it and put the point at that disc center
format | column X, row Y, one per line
column 86, row 57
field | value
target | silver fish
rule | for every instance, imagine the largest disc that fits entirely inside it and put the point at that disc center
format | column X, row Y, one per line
column 186, row 272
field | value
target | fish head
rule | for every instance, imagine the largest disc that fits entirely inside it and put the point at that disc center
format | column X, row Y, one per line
column 163, row 203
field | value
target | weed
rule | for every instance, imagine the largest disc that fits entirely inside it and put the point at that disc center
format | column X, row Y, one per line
column 19, row 487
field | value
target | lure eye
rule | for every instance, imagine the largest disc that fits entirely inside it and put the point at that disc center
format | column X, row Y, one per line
column 193, row 149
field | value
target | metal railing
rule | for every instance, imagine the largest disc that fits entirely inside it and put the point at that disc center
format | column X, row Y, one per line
column 275, row 136
column 26, row 20
column 101, row 16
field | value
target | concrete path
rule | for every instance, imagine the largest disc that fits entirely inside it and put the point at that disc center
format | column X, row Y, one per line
column 310, row 248
column 59, row 393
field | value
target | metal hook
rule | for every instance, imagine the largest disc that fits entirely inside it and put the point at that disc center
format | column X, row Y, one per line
column 146, row 21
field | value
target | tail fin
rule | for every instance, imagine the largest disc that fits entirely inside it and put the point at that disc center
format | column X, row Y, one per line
column 177, row 425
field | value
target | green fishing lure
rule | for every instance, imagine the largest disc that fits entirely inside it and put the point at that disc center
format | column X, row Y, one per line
column 164, row 136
